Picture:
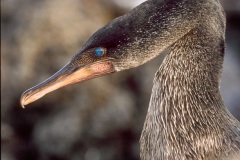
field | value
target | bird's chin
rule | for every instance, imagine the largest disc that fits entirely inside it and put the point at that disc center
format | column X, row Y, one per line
column 69, row 74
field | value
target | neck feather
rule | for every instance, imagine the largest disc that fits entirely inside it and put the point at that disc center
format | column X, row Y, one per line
column 186, row 113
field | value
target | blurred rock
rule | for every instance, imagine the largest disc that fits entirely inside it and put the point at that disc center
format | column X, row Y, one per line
column 7, row 138
column 231, row 5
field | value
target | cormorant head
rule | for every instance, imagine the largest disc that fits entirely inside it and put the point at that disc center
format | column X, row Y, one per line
column 115, row 47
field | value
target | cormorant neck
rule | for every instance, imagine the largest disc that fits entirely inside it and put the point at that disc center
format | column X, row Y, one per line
column 186, row 110
column 193, row 68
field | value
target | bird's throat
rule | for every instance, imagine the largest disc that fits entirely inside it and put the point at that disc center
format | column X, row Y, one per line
column 185, row 103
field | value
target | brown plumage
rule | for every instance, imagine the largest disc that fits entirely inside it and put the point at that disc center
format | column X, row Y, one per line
column 186, row 118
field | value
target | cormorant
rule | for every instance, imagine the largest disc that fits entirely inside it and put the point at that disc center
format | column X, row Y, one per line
column 186, row 118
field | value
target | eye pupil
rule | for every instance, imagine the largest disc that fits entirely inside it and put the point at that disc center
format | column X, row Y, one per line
column 99, row 51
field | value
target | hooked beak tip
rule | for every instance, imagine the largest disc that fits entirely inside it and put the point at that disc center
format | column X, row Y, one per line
column 22, row 105
column 23, row 100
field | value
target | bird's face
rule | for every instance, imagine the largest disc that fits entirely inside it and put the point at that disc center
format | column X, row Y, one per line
column 120, row 45
column 94, row 62
column 98, row 57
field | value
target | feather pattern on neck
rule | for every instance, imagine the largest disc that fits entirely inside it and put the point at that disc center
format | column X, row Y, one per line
column 186, row 118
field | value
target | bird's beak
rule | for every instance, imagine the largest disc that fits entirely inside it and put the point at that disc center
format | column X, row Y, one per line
column 69, row 74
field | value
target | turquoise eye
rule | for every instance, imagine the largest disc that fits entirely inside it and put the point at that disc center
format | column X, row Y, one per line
column 99, row 51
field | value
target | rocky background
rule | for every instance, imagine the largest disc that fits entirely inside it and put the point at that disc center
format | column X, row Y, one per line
column 100, row 119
